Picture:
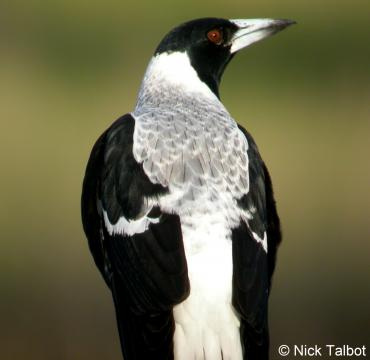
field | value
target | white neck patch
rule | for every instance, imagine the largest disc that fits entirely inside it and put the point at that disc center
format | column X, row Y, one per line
column 174, row 70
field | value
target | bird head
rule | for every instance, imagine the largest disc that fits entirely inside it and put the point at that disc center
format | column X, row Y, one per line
column 210, row 43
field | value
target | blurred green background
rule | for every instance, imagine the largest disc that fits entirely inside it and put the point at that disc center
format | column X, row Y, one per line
column 69, row 68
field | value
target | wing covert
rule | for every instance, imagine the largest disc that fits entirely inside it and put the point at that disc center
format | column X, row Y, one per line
column 255, row 242
column 145, row 267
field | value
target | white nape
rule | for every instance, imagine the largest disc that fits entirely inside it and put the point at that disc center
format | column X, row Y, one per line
column 128, row 227
column 175, row 69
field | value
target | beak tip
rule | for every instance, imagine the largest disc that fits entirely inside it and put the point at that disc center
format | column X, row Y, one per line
column 286, row 22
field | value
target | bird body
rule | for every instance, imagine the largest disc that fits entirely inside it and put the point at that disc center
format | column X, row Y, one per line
column 178, row 209
column 190, row 144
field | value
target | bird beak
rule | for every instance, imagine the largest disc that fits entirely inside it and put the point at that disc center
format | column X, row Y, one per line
column 252, row 30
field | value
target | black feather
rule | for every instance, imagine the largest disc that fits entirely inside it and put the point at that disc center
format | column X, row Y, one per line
column 146, row 272
column 252, row 266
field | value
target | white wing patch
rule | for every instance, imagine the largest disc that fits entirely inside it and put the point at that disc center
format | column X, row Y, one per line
column 129, row 227
column 248, row 215
column 263, row 241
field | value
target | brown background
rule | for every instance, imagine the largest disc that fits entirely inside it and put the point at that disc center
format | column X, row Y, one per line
column 69, row 68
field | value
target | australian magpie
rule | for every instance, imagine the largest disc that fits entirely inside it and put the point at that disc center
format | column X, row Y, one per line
column 178, row 207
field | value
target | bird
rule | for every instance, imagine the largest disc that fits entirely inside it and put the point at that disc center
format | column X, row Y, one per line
column 178, row 207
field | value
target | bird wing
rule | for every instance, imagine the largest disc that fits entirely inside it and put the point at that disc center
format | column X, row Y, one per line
column 255, row 242
column 137, row 248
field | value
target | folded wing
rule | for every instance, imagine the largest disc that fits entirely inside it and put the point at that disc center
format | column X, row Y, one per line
column 255, row 242
column 137, row 248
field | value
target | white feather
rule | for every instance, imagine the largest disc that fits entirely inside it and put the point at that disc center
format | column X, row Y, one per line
column 206, row 324
column 128, row 227
column 188, row 142
column 174, row 68
column 263, row 241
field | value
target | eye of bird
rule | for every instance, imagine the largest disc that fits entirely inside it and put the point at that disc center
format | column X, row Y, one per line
column 177, row 181
column 215, row 36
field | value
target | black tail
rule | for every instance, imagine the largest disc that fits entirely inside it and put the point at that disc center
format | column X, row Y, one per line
column 142, row 336
column 255, row 344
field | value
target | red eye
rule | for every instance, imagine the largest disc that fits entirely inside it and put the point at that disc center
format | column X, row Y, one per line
column 215, row 36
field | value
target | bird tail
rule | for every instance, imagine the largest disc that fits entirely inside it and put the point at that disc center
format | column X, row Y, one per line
column 255, row 343
column 142, row 336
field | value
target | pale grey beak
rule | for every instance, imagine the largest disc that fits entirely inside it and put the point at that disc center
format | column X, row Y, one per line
column 253, row 30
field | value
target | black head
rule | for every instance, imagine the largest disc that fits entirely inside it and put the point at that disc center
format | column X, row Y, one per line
column 211, row 43
column 207, row 43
